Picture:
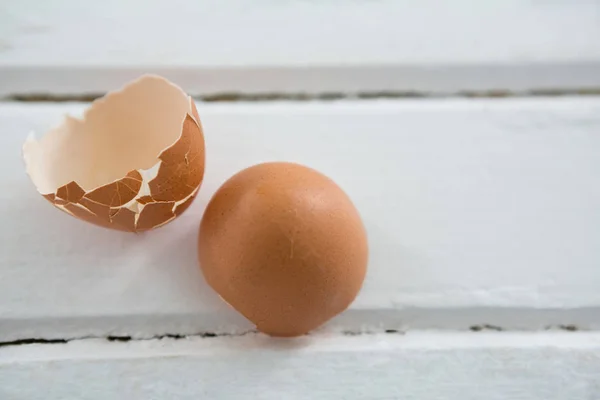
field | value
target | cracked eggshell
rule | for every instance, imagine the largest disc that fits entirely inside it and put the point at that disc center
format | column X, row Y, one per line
column 284, row 246
column 134, row 162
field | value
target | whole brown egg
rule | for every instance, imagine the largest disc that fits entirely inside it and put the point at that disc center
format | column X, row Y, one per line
column 283, row 245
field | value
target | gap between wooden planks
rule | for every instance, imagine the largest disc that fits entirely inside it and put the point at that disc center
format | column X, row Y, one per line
column 418, row 365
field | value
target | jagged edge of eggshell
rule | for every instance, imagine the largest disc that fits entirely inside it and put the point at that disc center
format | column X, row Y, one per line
column 169, row 210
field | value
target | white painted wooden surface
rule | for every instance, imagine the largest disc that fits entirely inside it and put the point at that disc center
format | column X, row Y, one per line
column 478, row 212
column 211, row 46
column 448, row 366
column 245, row 33
column 482, row 214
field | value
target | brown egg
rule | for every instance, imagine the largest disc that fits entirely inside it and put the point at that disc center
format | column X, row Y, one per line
column 134, row 162
column 283, row 245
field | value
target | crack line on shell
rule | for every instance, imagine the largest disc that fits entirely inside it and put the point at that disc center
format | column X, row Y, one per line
column 134, row 179
column 87, row 209
column 66, row 192
column 144, row 202
column 167, row 221
column 129, row 187
column 111, row 215
column 115, row 194
column 93, row 201
column 137, row 216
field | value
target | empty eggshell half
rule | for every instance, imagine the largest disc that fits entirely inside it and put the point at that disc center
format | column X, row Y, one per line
column 134, row 162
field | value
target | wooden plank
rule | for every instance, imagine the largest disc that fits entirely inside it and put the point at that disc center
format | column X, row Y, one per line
column 238, row 33
column 234, row 46
column 415, row 366
column 479, row 212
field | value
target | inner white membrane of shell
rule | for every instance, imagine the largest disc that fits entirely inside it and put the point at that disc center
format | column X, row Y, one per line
column 123, row 131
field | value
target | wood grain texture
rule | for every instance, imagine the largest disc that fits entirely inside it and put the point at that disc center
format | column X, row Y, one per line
column 478, row 212
column 416, row 366
column 300, row 46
